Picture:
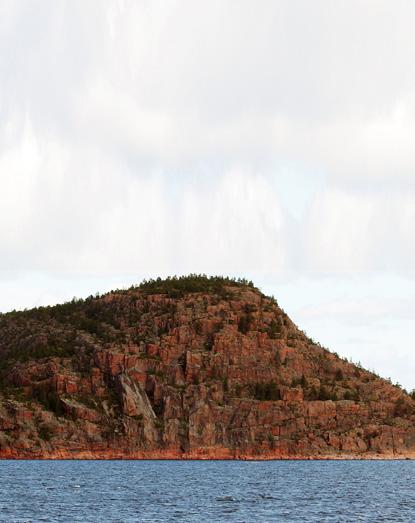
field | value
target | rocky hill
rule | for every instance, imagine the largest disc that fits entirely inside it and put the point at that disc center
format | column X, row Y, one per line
column 193, row 367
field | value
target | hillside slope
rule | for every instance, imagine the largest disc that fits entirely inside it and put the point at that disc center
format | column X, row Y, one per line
column 193, row 367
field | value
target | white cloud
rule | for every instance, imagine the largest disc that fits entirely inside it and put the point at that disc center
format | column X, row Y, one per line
column 106, row 108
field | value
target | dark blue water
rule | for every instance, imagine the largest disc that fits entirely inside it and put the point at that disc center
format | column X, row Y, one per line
column 158, row 491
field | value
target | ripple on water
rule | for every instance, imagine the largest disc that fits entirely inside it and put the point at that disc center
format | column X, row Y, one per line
column 236, row 492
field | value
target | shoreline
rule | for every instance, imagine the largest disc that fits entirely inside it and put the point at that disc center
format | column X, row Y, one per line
column 196, row 455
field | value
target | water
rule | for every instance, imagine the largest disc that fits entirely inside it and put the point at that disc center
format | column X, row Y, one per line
column 159, row 491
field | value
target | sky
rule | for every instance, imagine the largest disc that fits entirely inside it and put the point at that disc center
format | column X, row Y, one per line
column 272, row 140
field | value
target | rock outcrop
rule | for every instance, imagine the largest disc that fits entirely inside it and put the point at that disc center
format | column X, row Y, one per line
column 188, row 368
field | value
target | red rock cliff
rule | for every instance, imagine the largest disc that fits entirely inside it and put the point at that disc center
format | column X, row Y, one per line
column 189, row 368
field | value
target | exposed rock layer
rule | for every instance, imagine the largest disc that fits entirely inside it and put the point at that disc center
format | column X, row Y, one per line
column 220, row 374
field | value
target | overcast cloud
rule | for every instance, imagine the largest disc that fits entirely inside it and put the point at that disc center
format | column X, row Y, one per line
column 272, row 139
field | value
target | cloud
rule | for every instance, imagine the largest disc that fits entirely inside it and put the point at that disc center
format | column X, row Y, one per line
column 132, row 130
column 364, row 311
column 95, row 214
column 352, row 231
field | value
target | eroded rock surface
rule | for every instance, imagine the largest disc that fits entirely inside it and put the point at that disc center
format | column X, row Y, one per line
column 207, row 370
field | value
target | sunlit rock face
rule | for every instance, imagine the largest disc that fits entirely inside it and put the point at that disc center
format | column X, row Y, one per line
column 188, row 368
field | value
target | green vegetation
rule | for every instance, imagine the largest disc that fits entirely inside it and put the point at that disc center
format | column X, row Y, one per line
column 403, row 407
column 295, row 382
column 45, row 350
column 322, row 393
column 245, row 323
column 266, row 391
column 339, row 375
column 159, row 424
column 325, row 394
column 154, row 372
column 352, row 394
column 177, row 286
column 50, row 400
column 65, row 330
column 95, row 317
column 45, row 432
column 274, row 330
column 237, row 390
column 210, row 341
column 278, row 360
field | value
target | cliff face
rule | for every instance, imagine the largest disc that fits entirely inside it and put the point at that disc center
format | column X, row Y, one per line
column 178, row 370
